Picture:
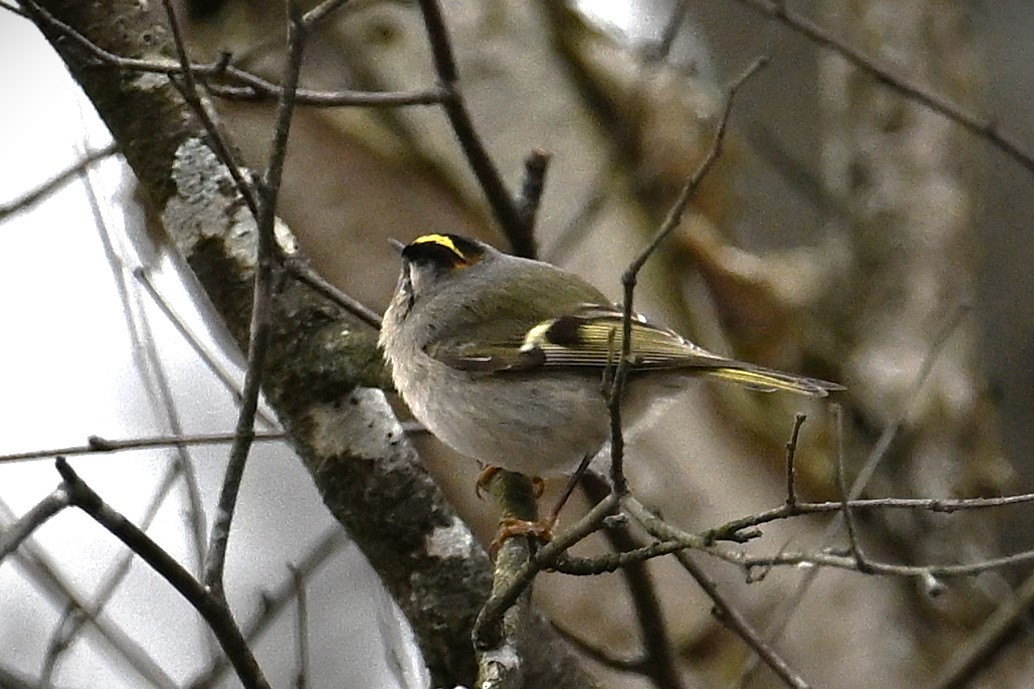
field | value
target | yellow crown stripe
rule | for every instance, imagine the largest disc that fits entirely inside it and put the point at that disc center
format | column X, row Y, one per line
column 442, row 240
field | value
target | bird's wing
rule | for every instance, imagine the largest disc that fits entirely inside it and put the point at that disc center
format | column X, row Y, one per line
column 591, row 337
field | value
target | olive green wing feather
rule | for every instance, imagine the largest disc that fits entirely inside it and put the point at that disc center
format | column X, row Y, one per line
column 591, row 337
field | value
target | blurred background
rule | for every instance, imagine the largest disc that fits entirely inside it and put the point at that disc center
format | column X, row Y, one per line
column 767, row 266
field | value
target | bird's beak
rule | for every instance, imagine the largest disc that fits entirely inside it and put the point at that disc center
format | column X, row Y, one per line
column 398, row 246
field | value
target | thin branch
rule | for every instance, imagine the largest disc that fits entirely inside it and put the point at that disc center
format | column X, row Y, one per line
column 98, row 445
column 724, row 610
column 187, row 86
column 849, row 562
column 241, row 84
column 153, row 376
column 211, row 607
column 486, row 632
column 741, row 626
column 12, row 536
column 631, row 274
column 300, row 269
column 244, row 85
column 578, row 227
column 74, row 618
column 841, row 481
column 152, row 373
column 984, row 129
column 535, row 167
column 674, row 540
column 262, row 299
column 39, row 569
column 735, row 530
column 951, row 323
column 639, row 666
column 658, row 661
column 301, row 630
column 499, row 200
column 674, row 216
column 952, row 320
column 51, row 185
column 257, row 89
column 143, row 276
column 275, row 600
column 970, row 658
column 14, row 9
column 797, row 173
column 791, row 454
column 308, row 21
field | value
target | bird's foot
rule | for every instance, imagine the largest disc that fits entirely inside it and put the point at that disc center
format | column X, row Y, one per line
column 511, row 527
column 538, row 485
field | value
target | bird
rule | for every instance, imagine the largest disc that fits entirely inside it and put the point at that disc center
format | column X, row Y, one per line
column 503, row 358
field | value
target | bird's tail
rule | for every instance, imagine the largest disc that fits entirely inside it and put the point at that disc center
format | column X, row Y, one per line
column 768, row 380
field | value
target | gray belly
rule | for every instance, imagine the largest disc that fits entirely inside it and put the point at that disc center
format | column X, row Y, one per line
column 533, row 425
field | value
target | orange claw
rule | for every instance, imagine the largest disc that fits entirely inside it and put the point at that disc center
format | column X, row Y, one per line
column 484, row 479
column 511, row 527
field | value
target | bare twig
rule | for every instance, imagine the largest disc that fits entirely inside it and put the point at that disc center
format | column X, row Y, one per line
column 729, row 530
column 45, row 575
column 143, row 276
column 152, row 374
column 12, row 536
column 631, row 274
column 640, row 666
column 535, row 167
column 98, row 445
column 841, row 479
column 674, row 540
column 261, row 309
column 499, row 199
column 301, row 630
column 984, row 129
column 791, row 455
column 51, row 185
column 187, row 86
column 970, row 658
column 798, row 174
column 486, row 631
column 275, row 600
column 75, row 617
column 301, row 270
column 724, row 610
column 212, row 608
column 674, row 216
column 257, row 89
column 311, row 18
column 243, row 85
column 14, row 9
column 658, row 661
column 951, row 322
column 680, row 541
column 837, row 560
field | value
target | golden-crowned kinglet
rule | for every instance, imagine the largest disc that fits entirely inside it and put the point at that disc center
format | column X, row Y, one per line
column 503, row 357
